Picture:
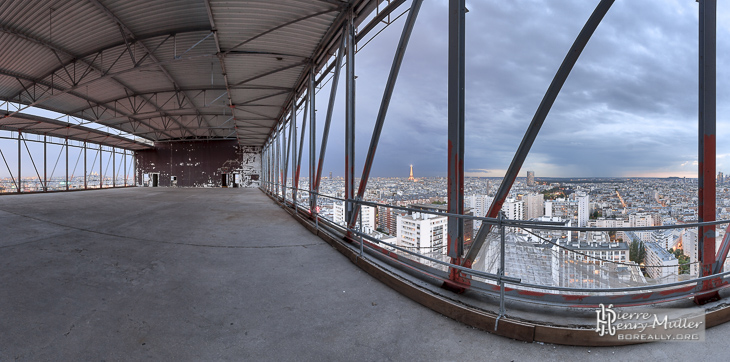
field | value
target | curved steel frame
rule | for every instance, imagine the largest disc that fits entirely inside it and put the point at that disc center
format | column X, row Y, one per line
column 574, row 297
column 461, row 276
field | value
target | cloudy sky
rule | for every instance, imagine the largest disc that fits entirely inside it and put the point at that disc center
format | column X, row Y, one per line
column 629, row 107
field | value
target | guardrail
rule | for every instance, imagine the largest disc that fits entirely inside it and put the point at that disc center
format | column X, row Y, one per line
column 522, row 290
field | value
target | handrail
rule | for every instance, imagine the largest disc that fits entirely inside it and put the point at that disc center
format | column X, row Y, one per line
column 526, row 225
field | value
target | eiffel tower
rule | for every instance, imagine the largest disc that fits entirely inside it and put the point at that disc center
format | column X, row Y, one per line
column 410, row 178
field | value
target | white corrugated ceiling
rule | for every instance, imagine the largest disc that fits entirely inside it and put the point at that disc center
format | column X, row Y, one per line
column 166, row 69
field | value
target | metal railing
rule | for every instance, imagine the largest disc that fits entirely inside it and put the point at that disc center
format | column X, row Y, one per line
column 655, row 293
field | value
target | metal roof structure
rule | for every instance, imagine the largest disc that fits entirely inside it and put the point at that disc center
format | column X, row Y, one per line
column 166, row 70
column 51, row 127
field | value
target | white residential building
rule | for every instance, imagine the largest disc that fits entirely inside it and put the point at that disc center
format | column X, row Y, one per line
column 583, row 210
column 660, row 263
column 642, row 219
column 690, row 248
column 422, row 232
column 550, row 234
column 480, row 206
column 514, row 210
column 549, row 208
column 368, row 216
column 534, row 205
column 664, row 238
column 594, row 249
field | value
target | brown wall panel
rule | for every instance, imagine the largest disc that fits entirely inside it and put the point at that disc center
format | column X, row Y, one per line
column 195, row 163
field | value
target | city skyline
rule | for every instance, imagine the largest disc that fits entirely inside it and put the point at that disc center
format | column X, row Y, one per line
column 628, row 109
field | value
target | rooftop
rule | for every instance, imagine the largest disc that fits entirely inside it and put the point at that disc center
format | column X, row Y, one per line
column 117, row 275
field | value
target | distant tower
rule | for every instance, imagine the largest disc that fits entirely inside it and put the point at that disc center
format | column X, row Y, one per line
column 530, row 178
column 410, row 178
column 330, row 175
column 583, row 210
column 720, row 178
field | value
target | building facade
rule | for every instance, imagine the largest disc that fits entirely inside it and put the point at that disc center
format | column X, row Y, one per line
column 660, row 263
column 534, row 205
column 422, row 233
column 367, row 213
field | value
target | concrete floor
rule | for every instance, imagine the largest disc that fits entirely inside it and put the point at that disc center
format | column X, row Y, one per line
column 222, row 274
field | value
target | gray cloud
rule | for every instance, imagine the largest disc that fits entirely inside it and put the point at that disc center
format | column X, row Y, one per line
column 628, row 108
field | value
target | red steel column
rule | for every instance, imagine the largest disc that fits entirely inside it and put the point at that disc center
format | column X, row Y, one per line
column 707, row 148
column 455, row 190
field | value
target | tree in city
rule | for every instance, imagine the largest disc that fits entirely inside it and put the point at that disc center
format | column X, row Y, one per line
column 637, row 251
column 682, row 259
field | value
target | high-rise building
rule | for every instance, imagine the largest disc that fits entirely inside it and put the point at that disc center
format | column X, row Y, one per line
column 583, row 210
column 534, row 205
column 690, row 248
column 664, row 238
column 367, row 213
column 660, row 262
column 423, row 233
column 596, row 245
column 642, row 219
column 330, row 175
column 530, row 178
column 720, row 178
column 514, row 210
column 549, row 208
column 550, row 234
column 468, row 223
column 388, row 219
column 480, row 205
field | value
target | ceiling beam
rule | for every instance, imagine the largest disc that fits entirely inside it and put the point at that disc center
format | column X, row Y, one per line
column 152, row 57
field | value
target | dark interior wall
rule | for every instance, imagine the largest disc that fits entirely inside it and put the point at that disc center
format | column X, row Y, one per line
column 195, row 163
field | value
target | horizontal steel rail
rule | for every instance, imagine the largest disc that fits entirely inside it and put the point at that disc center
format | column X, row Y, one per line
column 638, row 295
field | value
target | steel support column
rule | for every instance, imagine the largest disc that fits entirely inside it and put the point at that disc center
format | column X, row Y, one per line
column 328, row 118
column 267, row 169
column 45, row 164
column 280, row 139
column 542, row 111
column 285, row 159
column 134, row 160
column 276, row 155
column 124, row 157
column 85, row 183
column 294, row 163
column 270, row 157
column 350, row 117
column 389, row 86
column 20, row 179
column 312, row 140
column 101, row 176
column 707, row 147
column 455, row 183
column 269, row 179
column 67, row 186
column 114, row 167
column 301, row 142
